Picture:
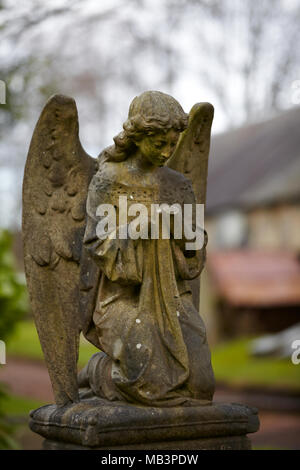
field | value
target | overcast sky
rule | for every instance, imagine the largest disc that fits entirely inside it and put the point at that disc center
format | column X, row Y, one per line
column 103, row 68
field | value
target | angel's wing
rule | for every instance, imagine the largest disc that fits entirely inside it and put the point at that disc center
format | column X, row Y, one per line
column 191, row 159
column 192, row 151
column 56, row 179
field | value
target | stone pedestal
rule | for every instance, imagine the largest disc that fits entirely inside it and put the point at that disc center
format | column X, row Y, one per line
column 99, row 424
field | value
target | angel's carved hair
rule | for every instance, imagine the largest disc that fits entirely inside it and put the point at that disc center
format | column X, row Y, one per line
column 151, row 112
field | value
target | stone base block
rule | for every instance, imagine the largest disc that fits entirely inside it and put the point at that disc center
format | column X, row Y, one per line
column 98, row 424
column 213, row 443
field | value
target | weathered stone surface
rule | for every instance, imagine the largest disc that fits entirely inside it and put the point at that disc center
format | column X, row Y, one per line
column 151, row 383
column 130, row 297
column 97, row 423
column 212, row 443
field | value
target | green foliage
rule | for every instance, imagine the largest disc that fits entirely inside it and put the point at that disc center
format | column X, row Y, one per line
column 13, row 304
column 6, row 440
column 6, row 429
column 13, row 294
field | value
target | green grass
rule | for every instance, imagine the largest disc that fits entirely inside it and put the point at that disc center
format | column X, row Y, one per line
column 25, row 344
column 231, row 362
column 19, row 406
column 233, row 365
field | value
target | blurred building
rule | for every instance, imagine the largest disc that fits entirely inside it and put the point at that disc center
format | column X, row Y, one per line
column 253, row 221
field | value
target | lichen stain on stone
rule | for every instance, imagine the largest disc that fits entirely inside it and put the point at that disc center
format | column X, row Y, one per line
column 117, row 349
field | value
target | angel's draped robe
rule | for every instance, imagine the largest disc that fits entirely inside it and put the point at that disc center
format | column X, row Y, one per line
column 137, row 304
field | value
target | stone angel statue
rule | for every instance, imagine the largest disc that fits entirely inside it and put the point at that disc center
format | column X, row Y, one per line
column 131, row 298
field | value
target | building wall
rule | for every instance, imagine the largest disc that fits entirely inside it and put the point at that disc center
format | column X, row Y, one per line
column 275, row 227
column 266, row 228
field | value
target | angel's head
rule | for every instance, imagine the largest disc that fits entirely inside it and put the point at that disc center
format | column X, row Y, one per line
column 154, row 123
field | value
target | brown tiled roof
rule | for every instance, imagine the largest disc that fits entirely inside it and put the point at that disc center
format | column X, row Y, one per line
column 253, row 278
column 255, row 165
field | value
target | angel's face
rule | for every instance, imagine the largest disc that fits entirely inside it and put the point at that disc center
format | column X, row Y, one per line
column 158, row 148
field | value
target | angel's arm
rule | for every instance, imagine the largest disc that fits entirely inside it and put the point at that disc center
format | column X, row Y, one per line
column 119, row 259
column 191, row 159
column 190, row 262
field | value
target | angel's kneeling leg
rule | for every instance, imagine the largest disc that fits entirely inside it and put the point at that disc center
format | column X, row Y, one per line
column 96, row 375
